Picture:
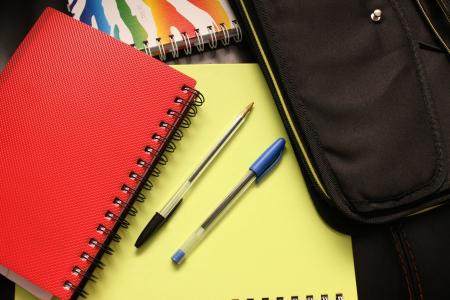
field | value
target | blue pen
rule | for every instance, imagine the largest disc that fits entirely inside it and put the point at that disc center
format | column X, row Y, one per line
column 260, row 167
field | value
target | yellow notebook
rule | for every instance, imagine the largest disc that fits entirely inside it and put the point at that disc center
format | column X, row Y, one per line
column 271, row 245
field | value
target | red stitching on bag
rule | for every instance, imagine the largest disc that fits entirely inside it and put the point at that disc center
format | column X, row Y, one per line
column 402, row 262
column 413, row 260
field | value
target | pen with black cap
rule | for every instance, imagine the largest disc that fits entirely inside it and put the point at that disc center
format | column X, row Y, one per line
column 160, row 217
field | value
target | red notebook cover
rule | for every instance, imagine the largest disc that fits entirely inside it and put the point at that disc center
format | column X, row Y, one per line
column 78, row 110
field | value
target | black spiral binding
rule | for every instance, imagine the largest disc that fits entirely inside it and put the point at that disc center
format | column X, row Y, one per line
column 174, row 133
column 223, row 34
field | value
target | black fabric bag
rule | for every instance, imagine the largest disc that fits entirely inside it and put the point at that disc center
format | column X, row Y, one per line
column 364, row 92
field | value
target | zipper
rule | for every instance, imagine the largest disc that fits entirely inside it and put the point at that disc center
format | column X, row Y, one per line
column 282, row 107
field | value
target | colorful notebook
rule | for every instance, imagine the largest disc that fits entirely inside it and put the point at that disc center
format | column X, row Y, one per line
column 83, row 122
column 271, row 245
column 162, row 28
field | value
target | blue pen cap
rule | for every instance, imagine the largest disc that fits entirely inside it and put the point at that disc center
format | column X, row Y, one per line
column 268, row 159
column 178, row 256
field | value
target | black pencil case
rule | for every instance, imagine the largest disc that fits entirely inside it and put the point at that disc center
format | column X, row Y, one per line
column 368, row 121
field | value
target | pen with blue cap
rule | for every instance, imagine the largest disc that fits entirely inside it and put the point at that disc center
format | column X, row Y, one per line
column 257, row 170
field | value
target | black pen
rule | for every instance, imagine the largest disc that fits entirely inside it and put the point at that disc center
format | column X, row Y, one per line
column 159, row 217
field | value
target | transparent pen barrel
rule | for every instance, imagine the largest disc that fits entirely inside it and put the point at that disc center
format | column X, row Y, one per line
column 179, row 194
column 176, row 199
column 193, row 240
column 229, row 200
column 216, row 150
column 198, row 235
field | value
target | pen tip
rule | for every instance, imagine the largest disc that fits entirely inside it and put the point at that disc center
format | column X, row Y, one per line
column 248, row 108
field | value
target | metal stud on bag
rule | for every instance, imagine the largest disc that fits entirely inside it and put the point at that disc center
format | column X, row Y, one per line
column 376, row 15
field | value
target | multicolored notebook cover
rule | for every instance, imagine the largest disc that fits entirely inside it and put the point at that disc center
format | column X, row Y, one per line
column 83, row 123
column 160, row 27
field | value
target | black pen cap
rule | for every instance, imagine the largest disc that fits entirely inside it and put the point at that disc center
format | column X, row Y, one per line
column 151, row 227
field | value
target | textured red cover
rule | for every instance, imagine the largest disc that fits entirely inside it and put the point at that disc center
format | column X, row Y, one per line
column 77, row 109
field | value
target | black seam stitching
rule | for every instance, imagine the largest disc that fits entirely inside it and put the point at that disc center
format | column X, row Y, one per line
column 426, row 97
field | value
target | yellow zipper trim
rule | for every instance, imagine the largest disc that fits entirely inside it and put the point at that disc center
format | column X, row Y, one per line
column 425, row 210
column 444, row 8
column 432, row 27
column 283, row 104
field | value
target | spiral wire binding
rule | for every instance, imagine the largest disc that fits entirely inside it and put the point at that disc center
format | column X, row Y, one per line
column 162, row 51
column 226, row 34
column 238, row 37
column 339, row 296
column 212, row 37
column 174, row 45
column 213, row 41
column 200, row 44
column 187, row 43
column 174, row 133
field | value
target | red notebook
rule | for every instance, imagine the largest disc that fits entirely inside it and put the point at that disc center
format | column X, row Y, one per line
column 84, row 119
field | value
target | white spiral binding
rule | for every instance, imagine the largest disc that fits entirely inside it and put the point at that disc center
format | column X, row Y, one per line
column 212, row 37
column 174, row 45
column 200, row 43
column 226, row 35
column 187, row 42
column 162, row 51
column 238, row 37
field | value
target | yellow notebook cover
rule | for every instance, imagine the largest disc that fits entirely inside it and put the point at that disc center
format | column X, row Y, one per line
column 272, row 244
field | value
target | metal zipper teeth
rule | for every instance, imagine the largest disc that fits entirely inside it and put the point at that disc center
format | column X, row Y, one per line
column 432, row 27
column 281, row 103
